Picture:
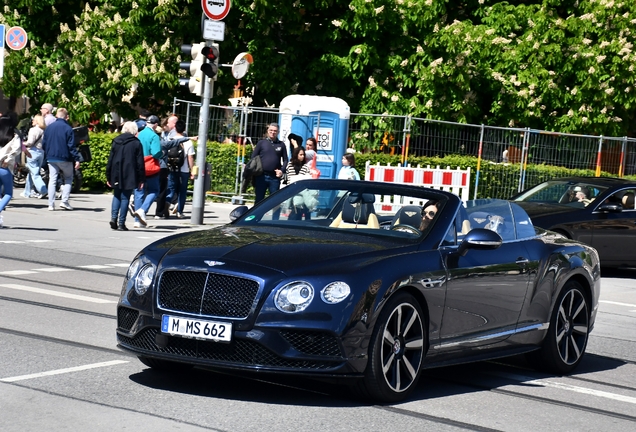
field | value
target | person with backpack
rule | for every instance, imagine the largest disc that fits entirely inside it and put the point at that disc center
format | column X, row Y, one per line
column 180, row 159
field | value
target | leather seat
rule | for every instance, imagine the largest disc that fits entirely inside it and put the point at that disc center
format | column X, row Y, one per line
column 357, row 212
column 408, row 215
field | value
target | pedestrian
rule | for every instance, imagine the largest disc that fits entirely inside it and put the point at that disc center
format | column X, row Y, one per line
column 35, row 159
column 10, row 145
column 180, row 160
column 310, row 152
column 47, row 112
column 348, row 170
column 151, row 145
column 62, row 156
column 125, row 172
column 161, row 210
column 273, row 154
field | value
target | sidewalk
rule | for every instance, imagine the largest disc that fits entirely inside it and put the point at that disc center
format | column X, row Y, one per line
column 213, row 214
column 86, row 229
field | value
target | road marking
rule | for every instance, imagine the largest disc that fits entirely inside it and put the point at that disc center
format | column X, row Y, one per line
column 63, row 371
column 526, row 380
column 618, row 303
column 11, row 241
column 39, row 241
column 17, row 272
column 56, row 293
column 53, row 269
column 119, row 265
column 94, row 266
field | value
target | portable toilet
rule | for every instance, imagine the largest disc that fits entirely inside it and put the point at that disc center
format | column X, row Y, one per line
column 322, row 117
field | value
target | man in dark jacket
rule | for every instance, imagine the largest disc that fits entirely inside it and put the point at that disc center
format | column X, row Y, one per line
column 125, row 172
column 273, row 155
column 58, row 143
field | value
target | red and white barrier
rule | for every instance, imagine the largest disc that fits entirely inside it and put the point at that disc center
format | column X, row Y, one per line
column 454, row 181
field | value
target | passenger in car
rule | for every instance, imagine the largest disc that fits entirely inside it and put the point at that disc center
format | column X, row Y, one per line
column 428, row 213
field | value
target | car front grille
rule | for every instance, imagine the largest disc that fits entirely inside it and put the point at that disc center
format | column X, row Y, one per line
column 207, row 294
column 239, row 351
column 126, row 318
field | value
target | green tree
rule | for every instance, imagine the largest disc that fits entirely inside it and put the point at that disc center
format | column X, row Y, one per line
column 562, row 65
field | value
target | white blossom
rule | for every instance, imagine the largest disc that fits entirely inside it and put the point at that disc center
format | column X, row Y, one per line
column 429, row 104
column 358, row 50
column 336, row 23
column 385, row 94
column 500, row 40
column 372, row 83
column 609, row 91
column 574, row 91
column 379, row 9
column 591, row 70
column 570, row 113
column 600, row 58
column 395, row 98
column 404, row 62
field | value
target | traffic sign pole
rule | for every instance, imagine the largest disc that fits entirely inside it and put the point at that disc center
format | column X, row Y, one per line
column 198, row 194
column 2, row 51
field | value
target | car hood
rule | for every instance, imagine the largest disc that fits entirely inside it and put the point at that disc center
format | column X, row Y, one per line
column 281, row 249
column 538, row 209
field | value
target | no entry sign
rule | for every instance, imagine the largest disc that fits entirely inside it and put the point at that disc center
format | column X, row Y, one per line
column 216, row 10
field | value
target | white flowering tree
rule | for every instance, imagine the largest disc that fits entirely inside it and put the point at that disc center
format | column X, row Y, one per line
column 564, row 65
column 556, row 65
column 93, row 59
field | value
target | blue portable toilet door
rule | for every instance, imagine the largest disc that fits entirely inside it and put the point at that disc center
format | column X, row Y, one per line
column 322, row 117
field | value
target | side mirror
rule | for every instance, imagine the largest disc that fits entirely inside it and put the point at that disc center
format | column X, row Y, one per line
column 481, row 239
column 610, row 208
column 238, row 212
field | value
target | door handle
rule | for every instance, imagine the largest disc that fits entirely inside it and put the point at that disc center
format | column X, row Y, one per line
column 523, row 262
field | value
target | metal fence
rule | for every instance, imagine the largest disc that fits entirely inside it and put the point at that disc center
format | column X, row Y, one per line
column 498, row 149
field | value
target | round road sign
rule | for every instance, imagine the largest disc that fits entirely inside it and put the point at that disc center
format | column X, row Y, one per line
column 216, row 10
column 16, row 38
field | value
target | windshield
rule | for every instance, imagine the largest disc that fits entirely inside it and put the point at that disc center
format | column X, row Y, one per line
column 365, row 207
column 569, row 193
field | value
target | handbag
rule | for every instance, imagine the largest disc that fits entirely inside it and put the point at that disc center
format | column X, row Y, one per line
column 152, row 165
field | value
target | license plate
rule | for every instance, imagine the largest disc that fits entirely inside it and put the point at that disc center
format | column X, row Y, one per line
column 198, row 329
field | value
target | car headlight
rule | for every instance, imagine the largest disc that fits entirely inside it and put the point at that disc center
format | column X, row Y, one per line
column 133, row 268
column 144, row 279
column 294, row 297
column 335, row 292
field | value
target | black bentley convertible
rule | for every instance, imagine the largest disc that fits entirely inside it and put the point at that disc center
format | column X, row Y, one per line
column 367, row 281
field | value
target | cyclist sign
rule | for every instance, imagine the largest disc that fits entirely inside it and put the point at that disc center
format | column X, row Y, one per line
column 216, row 10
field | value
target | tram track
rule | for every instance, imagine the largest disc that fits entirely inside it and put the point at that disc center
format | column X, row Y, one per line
column 540, row 399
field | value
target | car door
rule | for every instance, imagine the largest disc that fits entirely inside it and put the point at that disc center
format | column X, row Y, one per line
column 614, row 233
column 485, row 292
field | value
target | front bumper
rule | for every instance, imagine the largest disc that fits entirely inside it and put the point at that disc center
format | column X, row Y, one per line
column 286, row 350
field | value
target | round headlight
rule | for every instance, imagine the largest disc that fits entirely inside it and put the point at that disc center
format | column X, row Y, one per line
column 132, row 269
column 294, row 297
column 335, row 292
column 144, row 279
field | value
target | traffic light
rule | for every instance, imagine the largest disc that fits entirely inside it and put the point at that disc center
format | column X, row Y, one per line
column 205, row 62
column 211, row 53
column 194, row 83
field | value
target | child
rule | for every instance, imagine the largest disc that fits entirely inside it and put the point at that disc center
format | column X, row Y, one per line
column 348, row 170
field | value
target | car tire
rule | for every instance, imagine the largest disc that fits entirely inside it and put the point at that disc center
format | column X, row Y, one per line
column 566, row 340
column 396, row 352
column 164, row 365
